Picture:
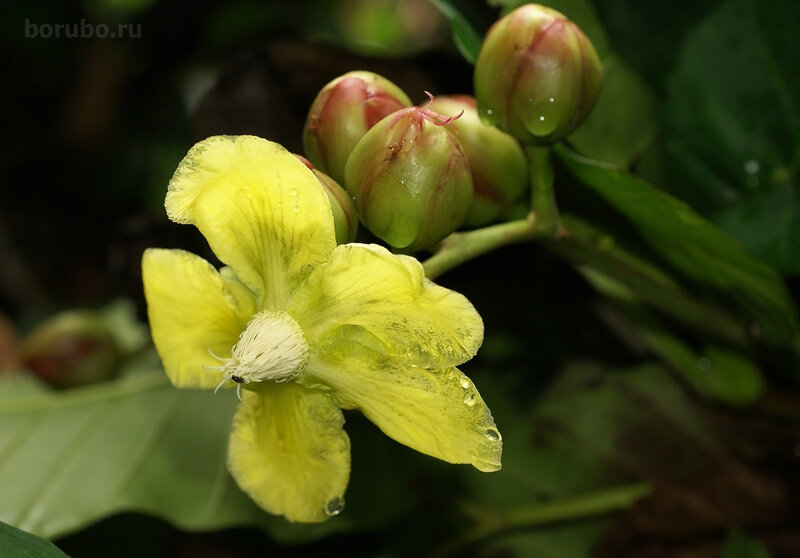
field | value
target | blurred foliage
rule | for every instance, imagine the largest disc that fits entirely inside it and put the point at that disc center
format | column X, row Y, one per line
column 19, row 544
column 648, row 347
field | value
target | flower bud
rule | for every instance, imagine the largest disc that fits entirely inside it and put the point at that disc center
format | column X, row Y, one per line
column 345, row 215
column 537, row 76
column 498, row 164
column 342, row 113
column 71, row 349
column 410, row 179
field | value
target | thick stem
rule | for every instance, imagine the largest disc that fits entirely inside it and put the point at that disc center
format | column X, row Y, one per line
column 461, row 247
column 492, row 523
column 543, row 199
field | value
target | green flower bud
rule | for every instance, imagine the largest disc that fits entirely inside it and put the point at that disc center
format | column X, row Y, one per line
column 498, row 164
column 537, row 76
column 71, row 349
column 410, row 179
column 342, row 113
column 345, row 215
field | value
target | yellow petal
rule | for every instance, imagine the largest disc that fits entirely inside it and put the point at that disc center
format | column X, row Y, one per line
column 366, row 294
column 288, row 451
column 261, row 210
column 192, row 309
column 436, row 412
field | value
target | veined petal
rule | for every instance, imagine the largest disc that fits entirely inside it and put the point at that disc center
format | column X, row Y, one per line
column 192, row 310
column 436, row 412
column 261, row 210
column 288, row 451
column 365, row 293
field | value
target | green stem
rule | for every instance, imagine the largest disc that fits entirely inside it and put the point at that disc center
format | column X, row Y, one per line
column 461, row 247
column 543, row 200
column 492, row 523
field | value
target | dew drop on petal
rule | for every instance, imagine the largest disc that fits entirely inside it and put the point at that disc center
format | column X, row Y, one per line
column 541, row 119
column 293, row 193
column 297, row 209
column 464, row 383
column 552, row 100
column 334, row 507
column 469, row 398
column 489, row 111
column 493, row 434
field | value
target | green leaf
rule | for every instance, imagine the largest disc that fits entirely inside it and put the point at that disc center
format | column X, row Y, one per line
column 737, row 545
column 701, row 254
column 19, row 544
column 733, row 125
column 70, row 458
column 467, row 40
column 714, row 372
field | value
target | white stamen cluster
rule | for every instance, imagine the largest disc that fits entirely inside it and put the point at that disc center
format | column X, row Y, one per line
column 271, row 348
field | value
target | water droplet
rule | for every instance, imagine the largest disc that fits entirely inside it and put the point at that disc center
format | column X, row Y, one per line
column 464, row 383
column 297, row 209
column 541, row 119
column 334, row 507
column 469, row 398
column 552, row 100
column 704, row 364
column 493, row 434
column 293, row 192
column 489, row 112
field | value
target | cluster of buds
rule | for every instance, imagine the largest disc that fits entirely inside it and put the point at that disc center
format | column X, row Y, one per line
column 412, row 175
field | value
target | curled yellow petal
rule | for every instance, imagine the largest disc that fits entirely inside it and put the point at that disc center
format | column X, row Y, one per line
column 366, row 294
column 193, row 311
column 437, row 412
column 288, row 451
column 261, row 210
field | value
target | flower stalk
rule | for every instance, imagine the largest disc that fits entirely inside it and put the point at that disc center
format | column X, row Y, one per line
column 490, row 523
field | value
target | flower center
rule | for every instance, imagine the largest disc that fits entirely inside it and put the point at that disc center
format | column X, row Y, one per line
column 271, row 348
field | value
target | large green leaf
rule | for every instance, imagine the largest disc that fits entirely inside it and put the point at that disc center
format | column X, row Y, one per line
column 72, row 457
column 15, row 543
column 701, row 254
column 733, row 125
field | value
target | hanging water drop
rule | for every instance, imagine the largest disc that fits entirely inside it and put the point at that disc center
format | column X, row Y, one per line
column 334, row 507
column 493, row 435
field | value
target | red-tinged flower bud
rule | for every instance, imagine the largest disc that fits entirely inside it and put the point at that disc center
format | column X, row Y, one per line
column 342, row 113
column 345, row 215
column 410, row 179
column 537, row 76
column 71, row 349
column 498, row 164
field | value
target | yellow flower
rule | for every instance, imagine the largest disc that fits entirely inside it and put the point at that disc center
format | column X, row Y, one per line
column 306, row 328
